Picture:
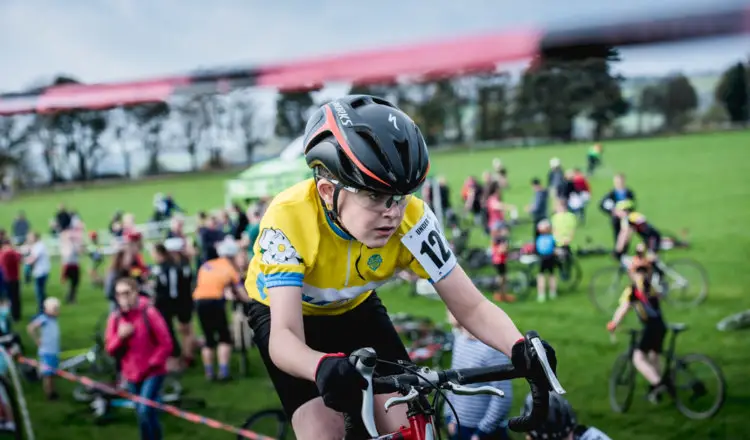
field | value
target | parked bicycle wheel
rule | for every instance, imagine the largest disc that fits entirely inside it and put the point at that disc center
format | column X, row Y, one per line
column 171, row 389
column 696, row 378
column 735, row 321
column 569, row 276
column 685, row 283
column 10, row 423
column 622, row 384
column 606, row 286
column 518, row 283
column 269, row 422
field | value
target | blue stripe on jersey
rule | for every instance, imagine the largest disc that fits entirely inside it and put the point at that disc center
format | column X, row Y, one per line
column 482, row 412
column 279, row 279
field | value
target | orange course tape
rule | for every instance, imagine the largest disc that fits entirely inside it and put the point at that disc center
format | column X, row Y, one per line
column 177, row 412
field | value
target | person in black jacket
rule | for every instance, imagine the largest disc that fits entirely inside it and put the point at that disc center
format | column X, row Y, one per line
column 619, row 193
column 164, row 300
column 181, row 294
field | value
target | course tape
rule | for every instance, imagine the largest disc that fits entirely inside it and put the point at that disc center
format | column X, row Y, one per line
column 173, row 410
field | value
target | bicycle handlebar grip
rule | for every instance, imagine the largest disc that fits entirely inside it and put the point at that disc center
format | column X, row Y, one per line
column 364, row 361
column 539, row 410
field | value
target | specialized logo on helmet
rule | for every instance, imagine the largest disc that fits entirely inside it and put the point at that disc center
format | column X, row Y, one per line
column 392, row 120
column 342, row 114
column 374, row 262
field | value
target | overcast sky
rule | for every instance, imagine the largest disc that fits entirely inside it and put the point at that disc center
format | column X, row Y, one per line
column 106, row 40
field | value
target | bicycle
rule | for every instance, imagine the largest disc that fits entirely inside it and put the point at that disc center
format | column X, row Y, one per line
column 624, row 375
column 735, row 321
column 416, row 384
column 102, row 403
column 432, row 348
column 171, row 391
column 670, row 280
column 10, row 424
column 270, row 422
column 520, row 282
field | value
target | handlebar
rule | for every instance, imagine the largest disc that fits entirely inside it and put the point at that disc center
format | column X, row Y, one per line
column 423, row 380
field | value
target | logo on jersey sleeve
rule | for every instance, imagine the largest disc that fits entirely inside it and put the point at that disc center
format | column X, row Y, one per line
column 277, row 249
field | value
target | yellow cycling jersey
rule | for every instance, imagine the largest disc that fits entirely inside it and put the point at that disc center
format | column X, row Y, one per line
column 299, row 245
column 563, row 226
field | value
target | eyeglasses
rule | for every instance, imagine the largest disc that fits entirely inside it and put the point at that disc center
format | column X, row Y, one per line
column 123, row 292
column 374, row 201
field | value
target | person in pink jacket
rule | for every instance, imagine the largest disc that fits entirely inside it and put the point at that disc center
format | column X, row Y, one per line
column 138, row 337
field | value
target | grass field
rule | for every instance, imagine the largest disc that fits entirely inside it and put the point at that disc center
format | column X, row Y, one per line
column 698, row 182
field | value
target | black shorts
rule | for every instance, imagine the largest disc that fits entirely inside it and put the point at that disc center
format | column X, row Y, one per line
column 167, row 312
column 183, row 308
column 212, row 317
column 652, row 338
column 501, row 269
column 368, row 325
column 547, row 264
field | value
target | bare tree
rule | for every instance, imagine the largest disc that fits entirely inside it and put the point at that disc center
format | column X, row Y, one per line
column 14, row 135
column 245, row 120
column 149, row 118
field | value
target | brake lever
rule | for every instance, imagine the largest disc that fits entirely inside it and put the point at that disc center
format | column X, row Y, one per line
column 542, row 355
column 364, row 361
column 393, row 401
column 462, row 390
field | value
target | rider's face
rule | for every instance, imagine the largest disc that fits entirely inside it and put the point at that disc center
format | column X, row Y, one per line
column 372, row 227
column 365, row 215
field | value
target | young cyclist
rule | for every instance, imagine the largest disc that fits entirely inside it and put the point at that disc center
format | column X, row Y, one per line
column 631, row 220
column 561, row 423
column 546, row 247
column 641, row 298
column 499, row 251
column 327, row 243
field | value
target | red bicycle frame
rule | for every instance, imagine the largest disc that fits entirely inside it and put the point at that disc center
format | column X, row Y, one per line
column 420, row 428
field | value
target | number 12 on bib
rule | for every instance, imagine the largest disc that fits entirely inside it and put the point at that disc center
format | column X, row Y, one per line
column 430, row 247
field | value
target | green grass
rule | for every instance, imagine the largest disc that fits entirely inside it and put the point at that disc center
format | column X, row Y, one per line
column 697, row 182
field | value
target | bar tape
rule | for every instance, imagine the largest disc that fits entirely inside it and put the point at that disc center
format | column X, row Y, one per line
column 173, row 410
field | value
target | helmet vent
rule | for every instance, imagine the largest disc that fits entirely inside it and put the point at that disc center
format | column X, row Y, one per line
column 359, row 102
column 403, row 149
column 347, row 167
column 375, row 148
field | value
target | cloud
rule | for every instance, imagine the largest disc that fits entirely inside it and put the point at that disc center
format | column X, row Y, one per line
column 123, row 39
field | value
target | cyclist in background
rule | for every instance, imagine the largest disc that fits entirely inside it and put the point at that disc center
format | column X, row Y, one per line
column 631, row 220
column 327, row 243
column 641, row 297
column 564, row 225
column 618, row 194
column 561, row 423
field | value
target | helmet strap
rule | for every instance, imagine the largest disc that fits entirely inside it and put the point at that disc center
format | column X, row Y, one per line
column 332, row 210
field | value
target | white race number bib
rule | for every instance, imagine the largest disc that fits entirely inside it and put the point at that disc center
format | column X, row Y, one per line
column 429, row 246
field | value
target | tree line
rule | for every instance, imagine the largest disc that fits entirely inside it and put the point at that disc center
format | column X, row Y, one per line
column 543, row 103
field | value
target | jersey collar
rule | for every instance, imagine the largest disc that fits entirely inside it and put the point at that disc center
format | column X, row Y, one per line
column 336, row 229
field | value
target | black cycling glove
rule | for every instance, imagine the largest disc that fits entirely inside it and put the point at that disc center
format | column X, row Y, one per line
column 525, row 360
column 339, row 383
